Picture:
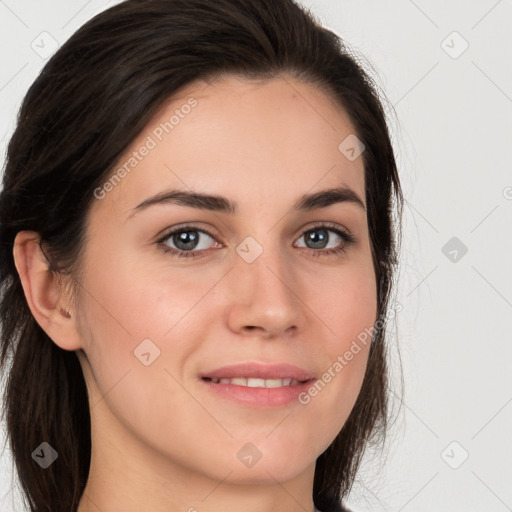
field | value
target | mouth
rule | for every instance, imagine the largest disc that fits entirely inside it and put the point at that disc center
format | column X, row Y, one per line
column 254, row 373
column 258, row 385
column 255, row 382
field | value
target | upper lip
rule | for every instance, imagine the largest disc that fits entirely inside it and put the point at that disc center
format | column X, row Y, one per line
column 259, row 371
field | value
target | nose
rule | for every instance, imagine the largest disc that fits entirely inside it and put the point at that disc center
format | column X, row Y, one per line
column 263, row 296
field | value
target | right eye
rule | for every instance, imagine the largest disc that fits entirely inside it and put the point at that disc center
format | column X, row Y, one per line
column 185, row 240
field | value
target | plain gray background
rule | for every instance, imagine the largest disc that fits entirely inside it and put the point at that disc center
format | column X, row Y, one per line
column 445, row 68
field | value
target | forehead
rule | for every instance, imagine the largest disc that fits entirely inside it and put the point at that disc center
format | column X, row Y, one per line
column 263, row 140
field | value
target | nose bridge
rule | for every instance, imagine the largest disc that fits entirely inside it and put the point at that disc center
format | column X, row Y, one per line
column 264, row 261
column 263, row 284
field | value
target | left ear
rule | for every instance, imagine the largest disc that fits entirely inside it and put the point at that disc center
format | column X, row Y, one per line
column 44, row 292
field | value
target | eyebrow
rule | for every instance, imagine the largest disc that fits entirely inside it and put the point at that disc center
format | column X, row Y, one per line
column 307, row 202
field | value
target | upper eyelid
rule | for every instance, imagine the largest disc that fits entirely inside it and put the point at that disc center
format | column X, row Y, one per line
column 185, row 227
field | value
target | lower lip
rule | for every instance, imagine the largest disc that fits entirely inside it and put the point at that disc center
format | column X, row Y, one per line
column 259, row 397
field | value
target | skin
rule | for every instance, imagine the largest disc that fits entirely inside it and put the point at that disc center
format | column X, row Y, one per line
column 160, row 440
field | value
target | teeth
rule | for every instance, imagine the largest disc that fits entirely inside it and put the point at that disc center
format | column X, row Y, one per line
column 253, row 382
column 274, row 383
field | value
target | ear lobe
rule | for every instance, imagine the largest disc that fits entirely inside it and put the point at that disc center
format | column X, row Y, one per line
column 43, row 292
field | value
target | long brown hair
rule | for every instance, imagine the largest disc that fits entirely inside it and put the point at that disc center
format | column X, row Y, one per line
column 90, row 101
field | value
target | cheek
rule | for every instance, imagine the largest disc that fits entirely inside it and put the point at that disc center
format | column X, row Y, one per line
column 127, row 303
column 348, row 309
column 129, row 300
column 126, row 315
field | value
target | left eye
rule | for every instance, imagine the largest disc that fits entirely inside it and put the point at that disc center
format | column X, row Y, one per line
column 187, row 243
column 320, row 235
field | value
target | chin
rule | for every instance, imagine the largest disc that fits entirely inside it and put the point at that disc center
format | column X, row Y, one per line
column 266, row 474
column 275, row 463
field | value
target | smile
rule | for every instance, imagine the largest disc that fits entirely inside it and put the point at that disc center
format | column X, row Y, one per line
column 257, row 382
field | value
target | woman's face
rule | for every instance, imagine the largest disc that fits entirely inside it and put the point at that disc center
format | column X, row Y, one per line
column 261, row 284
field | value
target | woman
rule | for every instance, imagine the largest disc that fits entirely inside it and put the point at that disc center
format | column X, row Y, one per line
column 197, row 237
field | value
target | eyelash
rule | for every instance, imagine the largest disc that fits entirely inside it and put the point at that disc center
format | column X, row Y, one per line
column 348, row 240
